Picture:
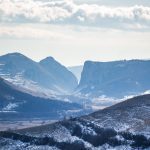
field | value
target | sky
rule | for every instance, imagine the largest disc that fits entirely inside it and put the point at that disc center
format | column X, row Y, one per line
column 73, row 31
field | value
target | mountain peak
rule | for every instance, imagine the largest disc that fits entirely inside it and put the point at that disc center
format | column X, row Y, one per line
column 55, row 68
column 50, row 58
column 14, row 57
column 14, row 54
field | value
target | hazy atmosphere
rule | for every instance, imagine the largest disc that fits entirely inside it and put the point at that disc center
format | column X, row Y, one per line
column 75, row 31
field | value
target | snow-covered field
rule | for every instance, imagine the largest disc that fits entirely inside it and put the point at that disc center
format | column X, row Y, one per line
column 27, row 85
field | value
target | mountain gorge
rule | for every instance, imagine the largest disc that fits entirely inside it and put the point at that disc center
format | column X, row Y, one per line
column 76, row 70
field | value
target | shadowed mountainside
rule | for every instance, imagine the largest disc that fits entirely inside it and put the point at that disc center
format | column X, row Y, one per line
column 15, row 104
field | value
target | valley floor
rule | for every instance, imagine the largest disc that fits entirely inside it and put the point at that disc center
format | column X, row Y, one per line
column 22, row 124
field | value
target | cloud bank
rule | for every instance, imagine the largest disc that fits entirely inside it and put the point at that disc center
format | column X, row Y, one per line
column 68, row 12
column 27, row 32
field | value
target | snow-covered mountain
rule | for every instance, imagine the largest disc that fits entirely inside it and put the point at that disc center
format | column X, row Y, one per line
column 76, row 70
column 115, row 79
column 47, row 77
column 125, row 126
column 17, row 105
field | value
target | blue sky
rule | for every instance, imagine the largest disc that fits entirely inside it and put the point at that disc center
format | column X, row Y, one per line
column 75, row 31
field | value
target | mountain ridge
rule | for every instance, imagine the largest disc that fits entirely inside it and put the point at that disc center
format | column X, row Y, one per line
column 25, row 72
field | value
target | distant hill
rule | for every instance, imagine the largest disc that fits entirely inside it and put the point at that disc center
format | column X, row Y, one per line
column 115, row 79
column 47, row 77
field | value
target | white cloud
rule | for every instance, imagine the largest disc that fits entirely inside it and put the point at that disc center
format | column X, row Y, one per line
column 68, row 12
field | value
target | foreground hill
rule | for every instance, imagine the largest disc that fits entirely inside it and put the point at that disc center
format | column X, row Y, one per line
column 17, row 105
column 115, row 79
column 131, row 115
column 47, row 77
column 125, row 126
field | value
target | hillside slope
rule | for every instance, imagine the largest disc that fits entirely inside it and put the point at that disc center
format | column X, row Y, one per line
column 122, row 126
column 15, row 104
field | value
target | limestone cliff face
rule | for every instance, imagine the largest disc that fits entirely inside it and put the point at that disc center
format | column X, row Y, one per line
column 117, row 78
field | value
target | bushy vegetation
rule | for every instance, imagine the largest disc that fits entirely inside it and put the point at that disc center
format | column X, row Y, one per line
column 103, row 136
column 76, row 145
column 87, row 132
